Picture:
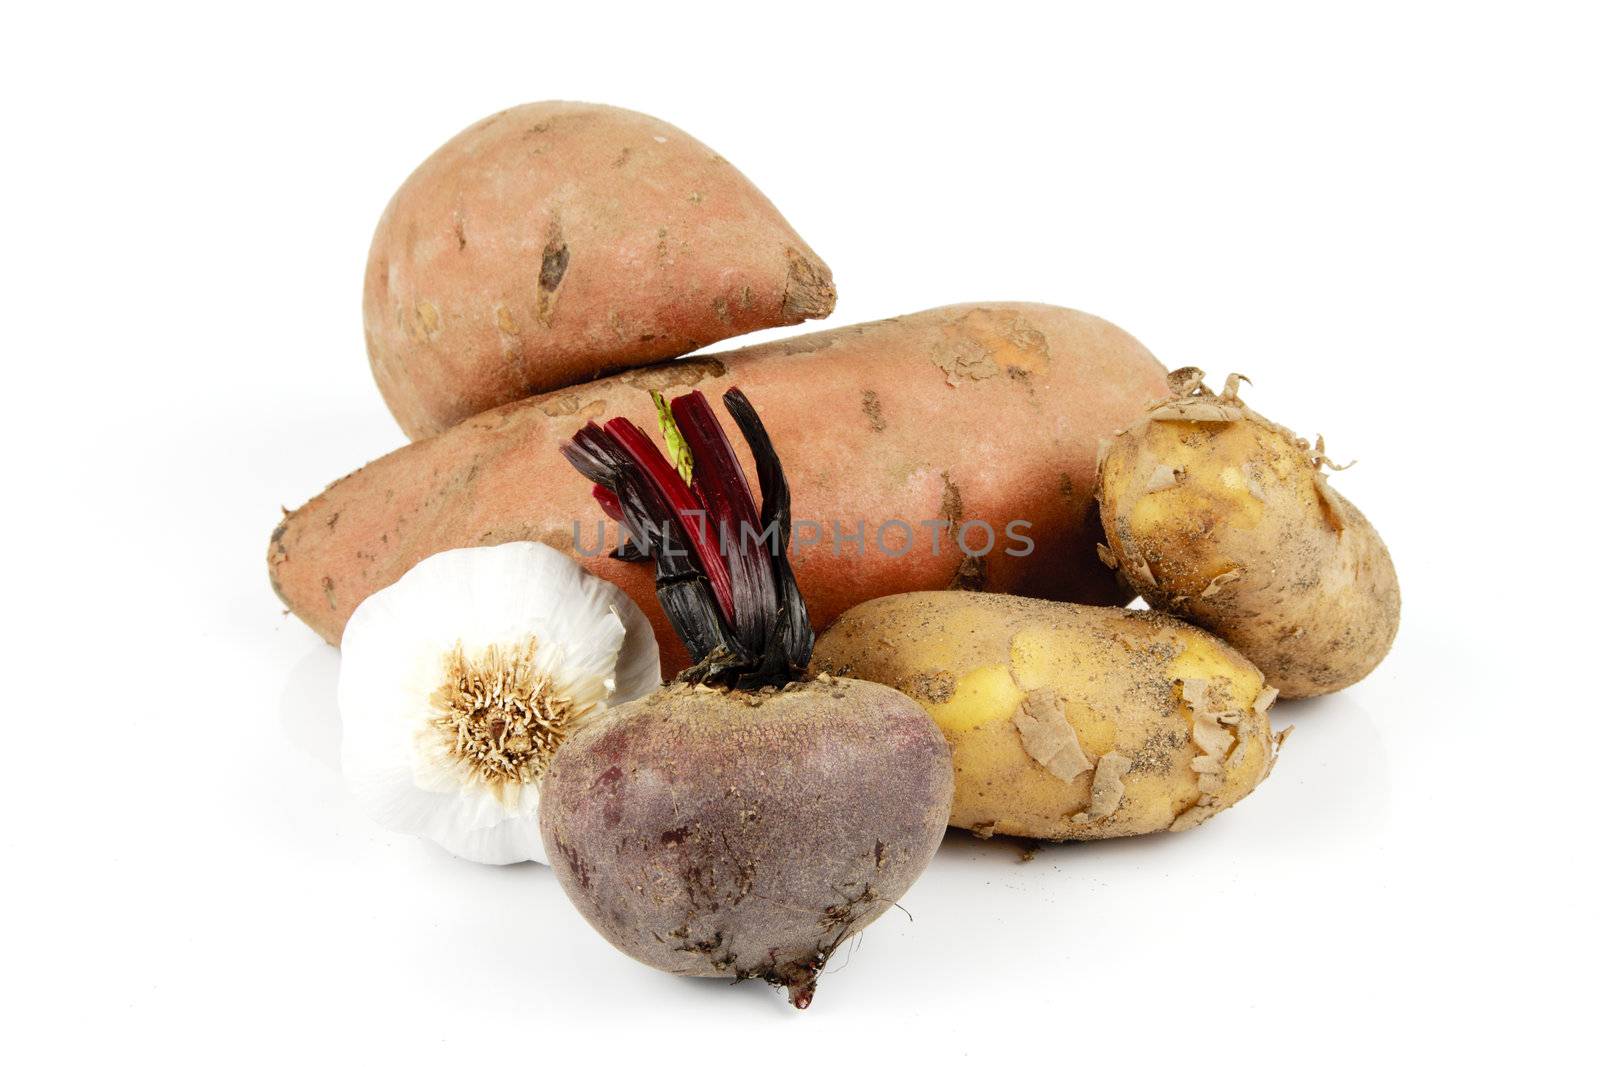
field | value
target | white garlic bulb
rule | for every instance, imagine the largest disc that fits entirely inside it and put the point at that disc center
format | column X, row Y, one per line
column 458, row 682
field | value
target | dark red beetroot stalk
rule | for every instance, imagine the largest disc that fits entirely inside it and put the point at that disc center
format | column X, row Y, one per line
column 685, row 507
column 771, row 818
column 709, row 535
column 608, row 503
column 725, row 494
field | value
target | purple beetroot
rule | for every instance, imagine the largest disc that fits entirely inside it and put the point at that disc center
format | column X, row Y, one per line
column 740, row 821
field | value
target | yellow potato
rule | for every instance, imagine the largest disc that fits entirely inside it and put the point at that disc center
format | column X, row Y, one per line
column 1064, row 721
column 1215, row 514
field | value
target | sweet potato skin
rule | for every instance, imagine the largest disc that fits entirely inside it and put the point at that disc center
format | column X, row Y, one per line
column 553, row 243
column 989, row 412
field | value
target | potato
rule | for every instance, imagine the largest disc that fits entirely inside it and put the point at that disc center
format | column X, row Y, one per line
column 1065, row 721
column 1216, row 514
column 553, row 243
column 978, row 413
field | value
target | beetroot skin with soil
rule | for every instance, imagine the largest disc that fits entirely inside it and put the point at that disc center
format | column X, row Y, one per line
column 747, row 835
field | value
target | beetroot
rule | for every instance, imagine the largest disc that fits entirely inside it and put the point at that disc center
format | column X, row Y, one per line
column 705, row 832
column 739, row 821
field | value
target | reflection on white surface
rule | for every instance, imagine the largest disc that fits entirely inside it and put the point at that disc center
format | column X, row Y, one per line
column 1332, row 777
column 309, row 706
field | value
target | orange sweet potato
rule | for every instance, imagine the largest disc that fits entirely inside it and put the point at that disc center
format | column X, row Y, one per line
column 973, row 414
column 554, row 243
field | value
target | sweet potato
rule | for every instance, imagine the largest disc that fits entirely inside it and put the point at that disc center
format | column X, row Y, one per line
column 553, row 243
column 1225, row 518
column 965, row 415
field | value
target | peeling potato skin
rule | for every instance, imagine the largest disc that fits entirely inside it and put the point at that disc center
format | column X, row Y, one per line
column 974, row 660
column 1014, row 438
column 746, row 835
column 1251, row 543
column 553, row 243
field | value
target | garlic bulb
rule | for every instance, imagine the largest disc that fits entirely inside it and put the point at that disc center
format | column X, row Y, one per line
column 458, row 682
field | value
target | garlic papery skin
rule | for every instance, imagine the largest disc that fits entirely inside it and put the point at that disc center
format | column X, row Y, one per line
column 458, row 682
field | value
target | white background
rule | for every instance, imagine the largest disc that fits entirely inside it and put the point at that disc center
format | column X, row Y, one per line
column 1385, row 215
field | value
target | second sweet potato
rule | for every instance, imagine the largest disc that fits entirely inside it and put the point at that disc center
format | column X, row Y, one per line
column 976, row 416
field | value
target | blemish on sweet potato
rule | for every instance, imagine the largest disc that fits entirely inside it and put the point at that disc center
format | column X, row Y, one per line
column 986, row 342
column 277, row 555
column 972, row 575
column 276, row 552
column 678, row 374
column 963, row 359
column 950, row 507
column 552, row 268
column 809, row 293
column 506, row 324
column 815, row 342
column 426, row 323
column 573, row 402
column 872, row 407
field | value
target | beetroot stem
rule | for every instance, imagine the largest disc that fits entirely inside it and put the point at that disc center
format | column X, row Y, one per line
column 649, row 459
column 721, row 486
column 731, row 596
column 609, row 504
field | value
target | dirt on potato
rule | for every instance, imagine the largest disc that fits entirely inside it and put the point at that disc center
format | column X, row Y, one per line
column 1222, row 517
